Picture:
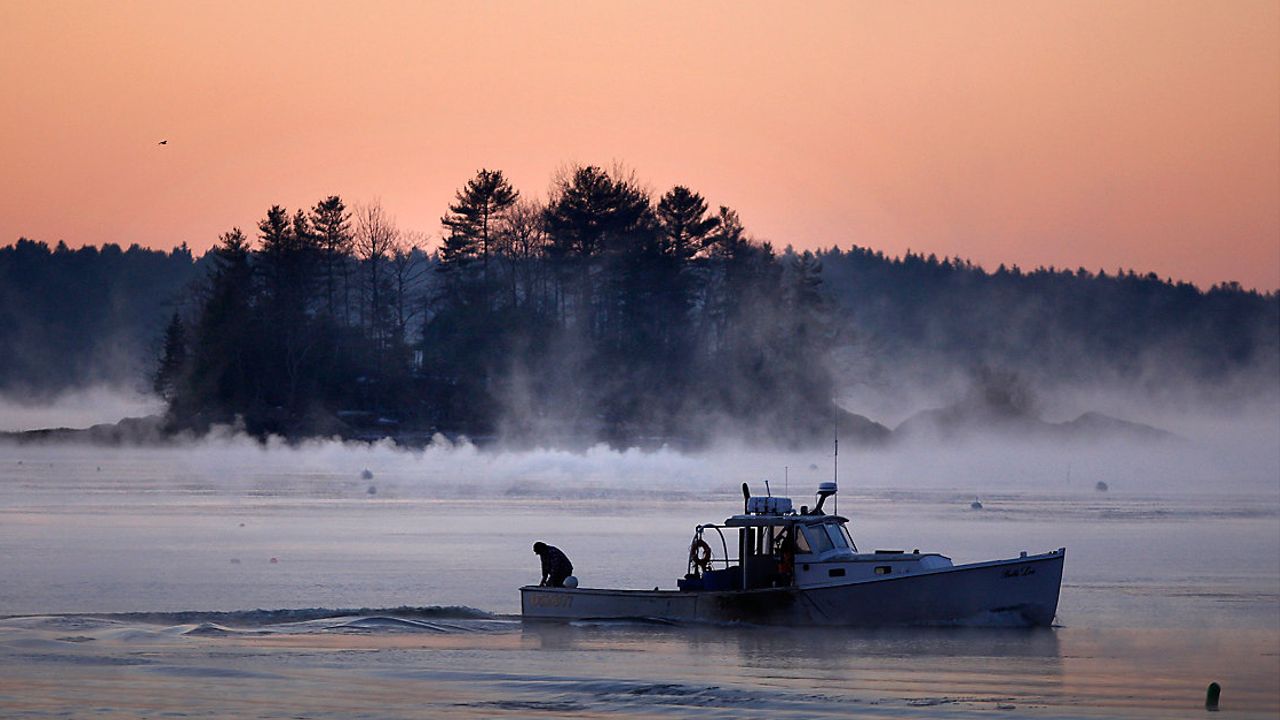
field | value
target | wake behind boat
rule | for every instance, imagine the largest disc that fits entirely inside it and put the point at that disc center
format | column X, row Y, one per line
column 803, row 568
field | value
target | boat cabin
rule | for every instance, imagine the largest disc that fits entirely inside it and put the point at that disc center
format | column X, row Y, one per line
column 776, row 546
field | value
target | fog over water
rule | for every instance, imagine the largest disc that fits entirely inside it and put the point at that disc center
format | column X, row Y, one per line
column 232, row 578
column 75, row 409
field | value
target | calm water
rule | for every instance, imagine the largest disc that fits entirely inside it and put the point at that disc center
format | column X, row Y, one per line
column 142, row 583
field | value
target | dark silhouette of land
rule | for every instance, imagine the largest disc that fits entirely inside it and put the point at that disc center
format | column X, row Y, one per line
column 602, row 314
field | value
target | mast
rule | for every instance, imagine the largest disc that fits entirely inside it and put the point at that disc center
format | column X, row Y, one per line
column 835, row 462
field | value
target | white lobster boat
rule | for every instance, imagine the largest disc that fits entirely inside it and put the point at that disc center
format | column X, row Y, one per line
column 803, row 568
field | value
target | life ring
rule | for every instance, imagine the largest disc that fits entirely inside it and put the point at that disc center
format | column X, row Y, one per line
column 700, row 554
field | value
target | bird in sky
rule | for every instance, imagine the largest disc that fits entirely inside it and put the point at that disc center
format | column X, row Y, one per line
column 164, row 142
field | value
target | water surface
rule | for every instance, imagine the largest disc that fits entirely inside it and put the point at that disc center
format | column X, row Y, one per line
column 208, row 584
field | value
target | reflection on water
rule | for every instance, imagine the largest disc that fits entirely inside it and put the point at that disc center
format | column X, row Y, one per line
column 382, row 665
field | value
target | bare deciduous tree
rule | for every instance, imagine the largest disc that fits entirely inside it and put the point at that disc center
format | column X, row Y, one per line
column 375, row 240
column 408, row 270
column 521, row 240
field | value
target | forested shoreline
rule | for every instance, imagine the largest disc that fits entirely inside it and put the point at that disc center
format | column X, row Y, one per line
column 605, row 312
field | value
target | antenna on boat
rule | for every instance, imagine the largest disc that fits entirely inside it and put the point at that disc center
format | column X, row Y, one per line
column 835, row 463
column 786, row 480
column 767, row 491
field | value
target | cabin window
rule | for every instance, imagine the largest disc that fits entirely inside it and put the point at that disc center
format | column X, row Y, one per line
column 848, row 538
column 778, row 538
column 802, row 545
column 835, row 572
column 883, row 569
column 838, row 538
column 819, row 541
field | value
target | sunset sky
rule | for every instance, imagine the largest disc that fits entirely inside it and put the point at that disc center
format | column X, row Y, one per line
column 1095, row 134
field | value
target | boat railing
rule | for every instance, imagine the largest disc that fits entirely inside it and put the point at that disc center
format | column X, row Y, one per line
column 724, row 545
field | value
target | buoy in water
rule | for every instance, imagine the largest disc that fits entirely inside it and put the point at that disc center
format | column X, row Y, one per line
column 275, row 561
column 372, row 490
column 1211, row 697
column 975, row 505
column 1100, row 486
column 365, row 474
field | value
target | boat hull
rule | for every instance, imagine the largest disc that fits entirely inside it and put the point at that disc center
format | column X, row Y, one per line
column 1020, row 591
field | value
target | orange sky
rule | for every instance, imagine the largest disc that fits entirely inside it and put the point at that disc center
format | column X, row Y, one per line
column 1102, row 134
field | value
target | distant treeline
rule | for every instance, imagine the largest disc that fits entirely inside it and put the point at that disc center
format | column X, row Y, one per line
column 602, row 313
column 71, row 318
column 917, row 314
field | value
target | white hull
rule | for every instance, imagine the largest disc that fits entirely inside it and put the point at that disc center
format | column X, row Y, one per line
column 1019, row 591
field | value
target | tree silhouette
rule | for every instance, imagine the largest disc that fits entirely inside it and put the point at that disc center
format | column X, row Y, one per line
column 332, row 225
column 601, row 316
column 683, row 222
column 473, row 218
column 173, row 360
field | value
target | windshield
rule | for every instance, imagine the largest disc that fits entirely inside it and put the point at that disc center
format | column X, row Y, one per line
column 845, row 531
column 819, row 540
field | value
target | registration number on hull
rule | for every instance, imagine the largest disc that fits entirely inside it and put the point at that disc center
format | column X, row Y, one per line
column 550, row 600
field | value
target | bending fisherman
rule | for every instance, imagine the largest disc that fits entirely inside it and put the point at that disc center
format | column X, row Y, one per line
column 555, row 565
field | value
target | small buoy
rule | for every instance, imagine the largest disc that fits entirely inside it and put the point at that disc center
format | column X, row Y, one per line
column 1100, row 486
column 813, row 466
column 241, row 524
column 99, row 468
column 1211, row 697
column 275, row 560
column 235, row 561
column 571, row 582
column 372, row 490
column 975, row 505
column 366, row 475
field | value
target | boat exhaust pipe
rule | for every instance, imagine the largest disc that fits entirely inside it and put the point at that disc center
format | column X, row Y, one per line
column 746, row 495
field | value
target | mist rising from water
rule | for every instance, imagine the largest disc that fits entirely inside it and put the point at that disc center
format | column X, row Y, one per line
column 75, row 409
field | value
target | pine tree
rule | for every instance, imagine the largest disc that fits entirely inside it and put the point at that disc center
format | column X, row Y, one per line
column 173, row 361
column 590, row 210
column 473, row 218
column 332, row 227
column 683, row 223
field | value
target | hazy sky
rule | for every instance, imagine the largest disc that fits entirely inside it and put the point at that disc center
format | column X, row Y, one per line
column 1102, row 134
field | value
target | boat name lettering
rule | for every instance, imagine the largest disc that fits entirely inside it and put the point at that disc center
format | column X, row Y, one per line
column 1019, row 572
column 549, row 600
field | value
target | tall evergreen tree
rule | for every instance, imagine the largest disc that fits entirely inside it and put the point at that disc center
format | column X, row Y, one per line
column 222, row 354
column 591, row 214
column 683, row 223
column 472, row 220
column 590, row 209
column 173, row 360
column 332, row 225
